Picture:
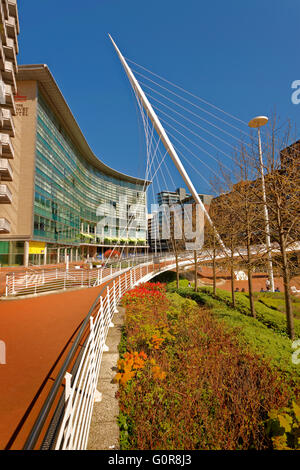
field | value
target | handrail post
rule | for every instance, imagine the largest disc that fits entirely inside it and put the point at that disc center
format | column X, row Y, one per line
column 105, row 347
column 108, row 299
column 115, row 297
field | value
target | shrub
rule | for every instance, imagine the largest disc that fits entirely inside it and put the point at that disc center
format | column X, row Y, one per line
column 268, row 316
column 275, row 348
column 283, row 426
column 199, row 388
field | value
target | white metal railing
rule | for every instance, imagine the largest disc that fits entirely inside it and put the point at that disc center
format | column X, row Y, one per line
column 47, row 280
column 39, row 281
column 80, row 388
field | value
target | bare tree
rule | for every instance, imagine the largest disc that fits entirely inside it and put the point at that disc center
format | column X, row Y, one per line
column 283, row 203
column 223, row 211
column 239, row 206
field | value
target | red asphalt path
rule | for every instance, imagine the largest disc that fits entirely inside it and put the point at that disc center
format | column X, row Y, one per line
column 36, row 332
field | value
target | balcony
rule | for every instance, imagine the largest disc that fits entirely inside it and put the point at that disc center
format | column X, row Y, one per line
column 8, row 75
column 7, row 148
column 9, row 99
column 13, row 11
column 10, row 53
column 5, row 194
column 4, row 225
column 3, row 18
column 7, row 122
column 5, row 8
column 5, row 170
column 11, row 29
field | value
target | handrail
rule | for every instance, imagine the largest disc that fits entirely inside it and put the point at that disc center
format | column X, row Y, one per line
column 52, row 279
column 39, row 423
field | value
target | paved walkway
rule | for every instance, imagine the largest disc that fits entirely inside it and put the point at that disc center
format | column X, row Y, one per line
column 37, row 333
column 104, row 431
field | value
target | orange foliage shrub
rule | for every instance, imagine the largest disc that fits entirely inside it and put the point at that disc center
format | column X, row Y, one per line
column 198, row 388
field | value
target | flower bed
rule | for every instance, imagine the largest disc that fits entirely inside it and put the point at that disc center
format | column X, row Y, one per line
column 185, row 380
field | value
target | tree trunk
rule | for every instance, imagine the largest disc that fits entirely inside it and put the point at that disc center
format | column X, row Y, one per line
column 250, row 288
column 196, row 270
column 232, row 274
column 177, row 270
column 214, row 268
column 287, row 294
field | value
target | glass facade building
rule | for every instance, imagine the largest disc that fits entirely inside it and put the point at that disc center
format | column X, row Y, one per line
column 80, row 207
column 71, row 196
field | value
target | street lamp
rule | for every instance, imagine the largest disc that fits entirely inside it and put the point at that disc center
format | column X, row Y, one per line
column 257, row 123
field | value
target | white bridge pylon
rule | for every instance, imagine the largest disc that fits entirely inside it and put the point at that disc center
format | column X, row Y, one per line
column 165, row 139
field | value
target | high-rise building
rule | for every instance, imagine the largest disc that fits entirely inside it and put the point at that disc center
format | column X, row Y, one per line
column 9, row 30
column 166, row 200
column 63, row 201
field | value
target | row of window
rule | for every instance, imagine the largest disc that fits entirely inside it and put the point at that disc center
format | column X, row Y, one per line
column 69, row 190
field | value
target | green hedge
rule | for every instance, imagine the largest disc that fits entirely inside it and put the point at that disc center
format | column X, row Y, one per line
column 270, row 317
column 275, row 348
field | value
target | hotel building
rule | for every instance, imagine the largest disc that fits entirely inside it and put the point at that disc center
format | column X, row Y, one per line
column 9, row 48
column 61, row 200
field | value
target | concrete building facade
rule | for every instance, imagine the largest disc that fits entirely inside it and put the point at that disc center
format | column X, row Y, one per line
column 9, row 48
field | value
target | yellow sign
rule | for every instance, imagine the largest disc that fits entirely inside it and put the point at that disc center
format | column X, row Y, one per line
column 37, row 248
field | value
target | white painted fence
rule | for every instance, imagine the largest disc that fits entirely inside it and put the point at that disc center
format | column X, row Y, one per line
column 40, row 281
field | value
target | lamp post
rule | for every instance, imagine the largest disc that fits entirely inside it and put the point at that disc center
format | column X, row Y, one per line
column 257, row 123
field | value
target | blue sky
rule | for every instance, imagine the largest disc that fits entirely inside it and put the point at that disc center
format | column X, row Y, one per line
column 241, row 56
